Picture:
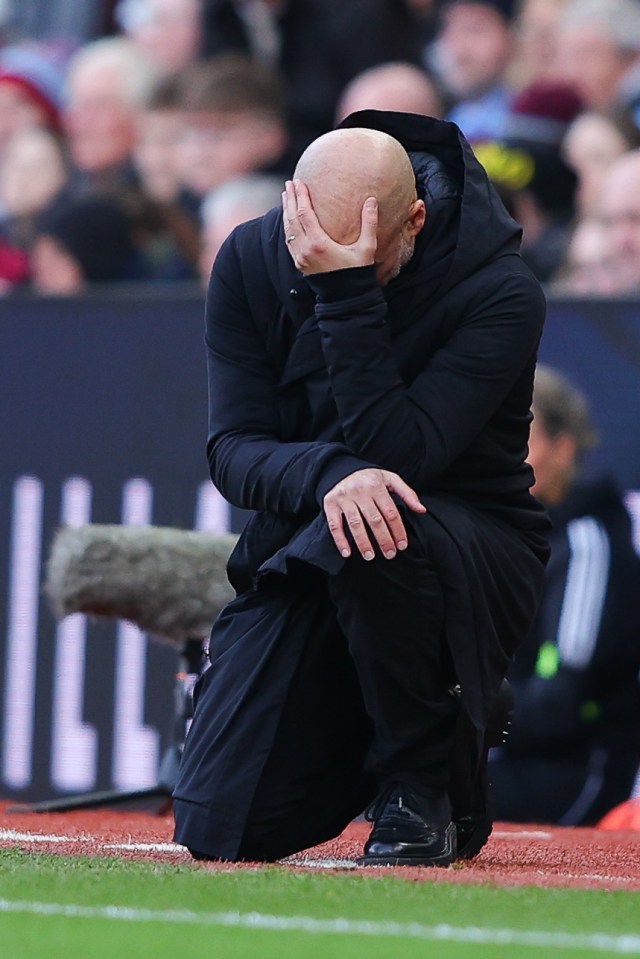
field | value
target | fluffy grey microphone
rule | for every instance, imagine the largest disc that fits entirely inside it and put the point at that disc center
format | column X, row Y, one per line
column 170, row 582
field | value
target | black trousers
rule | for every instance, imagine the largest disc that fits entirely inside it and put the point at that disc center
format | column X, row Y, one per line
column 369, row 703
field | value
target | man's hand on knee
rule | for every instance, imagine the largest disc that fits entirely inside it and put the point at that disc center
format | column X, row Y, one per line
column 362, row 503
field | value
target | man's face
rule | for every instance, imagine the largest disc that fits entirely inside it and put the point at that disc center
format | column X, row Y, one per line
column 99, row 119
column 169, row 32
column 552, row 459
column 619, row 214
column 215, row 147
column 392, row 254
column 474, row 48
column 588, row 59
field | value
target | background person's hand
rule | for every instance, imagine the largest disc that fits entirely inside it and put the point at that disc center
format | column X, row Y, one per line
column 362, row 503
column 311, row 247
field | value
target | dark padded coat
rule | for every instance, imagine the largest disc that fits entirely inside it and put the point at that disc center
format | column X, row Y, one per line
column 313, row 378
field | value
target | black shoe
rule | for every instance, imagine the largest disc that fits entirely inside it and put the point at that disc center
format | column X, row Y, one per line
column 473, row 830
column 409, row 831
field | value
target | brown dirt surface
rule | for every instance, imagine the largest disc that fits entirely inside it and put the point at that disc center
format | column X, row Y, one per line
column 514, row 856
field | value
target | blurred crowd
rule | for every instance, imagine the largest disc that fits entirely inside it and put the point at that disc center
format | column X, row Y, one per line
column 135, row 134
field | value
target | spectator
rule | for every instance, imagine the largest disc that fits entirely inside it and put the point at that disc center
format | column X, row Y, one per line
column 232, row 203
column 471, row 57
column 233, row 123
column 574, row 746
column 391, row 86
column 167, row 32
column 80, row 242
column 587, row 269
column 159, row 130
column 597, row 45
column 108, row 81
column 591, row 144
column 531, row 174
column 34, row 171
column 171, row 233
column 536, row 28
column 318, row 46
column 31, row 92
column 618, row 209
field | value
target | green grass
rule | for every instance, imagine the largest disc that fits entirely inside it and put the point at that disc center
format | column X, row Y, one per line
column 273, row 891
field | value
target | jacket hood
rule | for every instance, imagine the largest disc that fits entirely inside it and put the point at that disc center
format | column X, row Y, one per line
column 467, row 224
column 456, row 190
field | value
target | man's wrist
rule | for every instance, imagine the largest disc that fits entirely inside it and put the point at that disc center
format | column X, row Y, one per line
column 344, row 284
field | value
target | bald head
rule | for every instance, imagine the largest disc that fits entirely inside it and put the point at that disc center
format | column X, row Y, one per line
column 342, row 168
column 400, row 86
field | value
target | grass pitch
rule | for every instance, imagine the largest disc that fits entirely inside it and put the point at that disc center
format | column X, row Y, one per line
column 58, row 907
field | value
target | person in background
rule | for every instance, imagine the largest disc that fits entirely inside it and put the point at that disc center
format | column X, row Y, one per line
column 173, row 233
column 592, row 143
column 33, row 173
column 31, row 92
column 528, row 168
column 233, row 124
column 391, row 86
column 587, row 268
column 232, row 203
column 158, row 134
column 317, row 46
column 618, row 211
column 108, row 81
column 574, row 745
column 168, row 33
column 471, row 56
column 80, row 242
column 536, row 38
column 597, row 50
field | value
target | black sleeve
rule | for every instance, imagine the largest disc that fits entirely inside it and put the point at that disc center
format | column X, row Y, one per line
column 418, row 430
column 248, row 461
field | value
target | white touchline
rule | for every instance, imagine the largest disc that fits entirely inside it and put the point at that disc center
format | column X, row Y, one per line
column 11, row 835
column 596, row 942
column 521, row 834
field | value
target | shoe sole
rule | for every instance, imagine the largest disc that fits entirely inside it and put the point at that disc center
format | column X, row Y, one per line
column 446, row 858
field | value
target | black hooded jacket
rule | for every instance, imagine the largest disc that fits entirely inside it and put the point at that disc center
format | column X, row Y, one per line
column 312, row 378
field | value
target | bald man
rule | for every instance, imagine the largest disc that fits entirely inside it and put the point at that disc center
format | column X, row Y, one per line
column 371, row 349
column 391, row 86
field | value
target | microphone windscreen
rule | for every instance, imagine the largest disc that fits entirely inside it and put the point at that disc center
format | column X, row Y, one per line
column 170, row 582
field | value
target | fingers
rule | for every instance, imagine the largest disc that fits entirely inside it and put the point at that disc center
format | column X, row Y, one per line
column 298, row 214
column 362, row 505
column 290, row 212
column 369, row 225
column 337, row 517
column 404, row 491
column 304, row 210
column 310, row 246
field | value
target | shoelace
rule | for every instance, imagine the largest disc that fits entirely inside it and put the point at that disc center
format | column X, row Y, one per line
column 374, row 810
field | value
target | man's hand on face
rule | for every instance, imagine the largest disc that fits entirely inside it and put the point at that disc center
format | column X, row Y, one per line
column 362, row 503
column 311, row 248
